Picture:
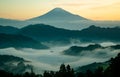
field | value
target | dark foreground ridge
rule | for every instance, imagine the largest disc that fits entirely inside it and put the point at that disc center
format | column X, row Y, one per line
column 113, row 70
column 14, row 64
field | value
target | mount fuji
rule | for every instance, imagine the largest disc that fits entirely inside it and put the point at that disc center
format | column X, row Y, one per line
column 58, row 14
column 59, row 18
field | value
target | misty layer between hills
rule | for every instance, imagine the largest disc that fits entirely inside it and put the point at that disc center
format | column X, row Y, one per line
column 50, row 59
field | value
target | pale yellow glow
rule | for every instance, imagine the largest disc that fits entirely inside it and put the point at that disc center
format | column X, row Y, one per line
column 92, row 9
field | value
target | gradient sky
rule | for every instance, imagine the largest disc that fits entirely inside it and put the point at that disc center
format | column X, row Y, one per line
column 92, row 9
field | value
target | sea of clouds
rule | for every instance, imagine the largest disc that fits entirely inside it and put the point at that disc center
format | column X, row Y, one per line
column 51, row 59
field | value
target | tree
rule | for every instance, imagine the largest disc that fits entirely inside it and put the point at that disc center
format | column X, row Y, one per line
column 115, row 66
column 46, row 74
column 99, row 72
column 89, row 73
column 62, row 68
column 62, row 71
column 80, row 74
column 69, row 71
column 68, row 68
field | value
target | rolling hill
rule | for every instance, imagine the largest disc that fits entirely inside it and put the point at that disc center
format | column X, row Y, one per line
column 19, row 41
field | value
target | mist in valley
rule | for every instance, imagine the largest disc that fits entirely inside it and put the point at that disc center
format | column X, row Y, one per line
column 52, row 58
column 70, row 25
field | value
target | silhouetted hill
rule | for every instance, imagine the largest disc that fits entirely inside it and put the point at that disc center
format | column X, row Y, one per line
column 10, row 58
column 115, row 47
column 57, row 14
column 19, row 41
column 98, row 33
column 76, row 50
column 13, row 64
column 8, row 30
column 93, row 66
column 110, row 68
column 43, row 32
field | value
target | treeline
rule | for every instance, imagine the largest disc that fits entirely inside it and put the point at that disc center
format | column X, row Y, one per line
column 66, row 71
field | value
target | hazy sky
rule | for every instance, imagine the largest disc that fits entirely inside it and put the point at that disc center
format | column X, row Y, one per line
column 92, row 9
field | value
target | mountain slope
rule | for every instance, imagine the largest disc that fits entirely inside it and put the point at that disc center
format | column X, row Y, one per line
column 13, row 64
column 76, row 50
column 47, row 33
column 19, row 41
column 15, row 23
column 43, row 32
column 93, row 66
column 98, row 33
column 8, row 30
column 58, row 14
column 10, row 58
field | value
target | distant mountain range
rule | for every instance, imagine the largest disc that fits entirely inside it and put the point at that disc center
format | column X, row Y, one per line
column 43, row 32
column 10, row 22
column 31, row 36
column 98, row 33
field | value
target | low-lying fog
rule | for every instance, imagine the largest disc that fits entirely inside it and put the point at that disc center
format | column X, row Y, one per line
column 71, row 25
column 51, row 59
column 82, row 24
